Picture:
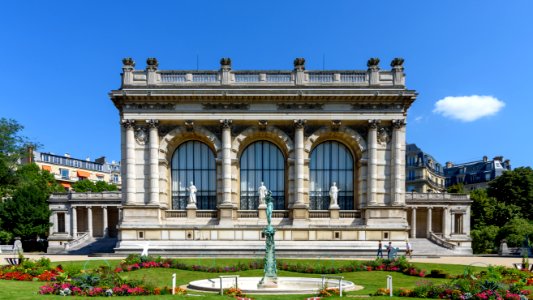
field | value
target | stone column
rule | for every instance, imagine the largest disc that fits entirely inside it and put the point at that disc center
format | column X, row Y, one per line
column 74, row 220
column 226, row 161
column 398, row 168
column 445, row 231
column 453, row 223
column 429, row 220
column 226, row 207
column 371, row 188
column 154, row 162
column 466, row 222
column 299, row 163
column 105, row 225
column 53, row 220
column 413, row 223
column 129, row 193
column 90, row 221
column 67, row 223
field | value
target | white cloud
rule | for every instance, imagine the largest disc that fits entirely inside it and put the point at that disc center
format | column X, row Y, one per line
column 419, row 119
column 468, row 108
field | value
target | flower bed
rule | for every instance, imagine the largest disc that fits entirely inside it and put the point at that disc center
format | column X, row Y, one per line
column 67, row 289
column 39, row 270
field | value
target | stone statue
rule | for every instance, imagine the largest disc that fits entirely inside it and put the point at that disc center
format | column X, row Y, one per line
column 333, row 194
column 17, row 247
column 262, row 193
column 192, row 193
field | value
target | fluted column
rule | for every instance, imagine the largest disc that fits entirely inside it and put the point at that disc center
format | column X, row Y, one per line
column 429, row 220
column 90, row 221
column 445, row 231
column 226, row 161
column 299, row 163
column 104, row 220
column 372, row 162
column 413, row 222
column 130, row 163
column 398, row 157
column 74, row 220
column 154, row 162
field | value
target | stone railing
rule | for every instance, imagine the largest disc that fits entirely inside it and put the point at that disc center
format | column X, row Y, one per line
column 152, row 76
column 349, row 214
column 441, row 241
column 280, row 214
column 80, row 239
column 206, row 214
column 319, row 214
column 175, row 214
column 436, row 197
column 73, row 196
column 247, row 214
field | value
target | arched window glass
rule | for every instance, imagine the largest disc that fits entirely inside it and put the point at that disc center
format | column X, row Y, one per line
column 193, row 161
column 331, row 162
column 262, row 161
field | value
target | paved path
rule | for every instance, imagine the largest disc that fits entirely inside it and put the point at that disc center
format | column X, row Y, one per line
column 458, row 260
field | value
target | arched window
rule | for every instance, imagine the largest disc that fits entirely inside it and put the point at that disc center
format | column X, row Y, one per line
column 331, row 162
column 193, row 161
column 262, row 161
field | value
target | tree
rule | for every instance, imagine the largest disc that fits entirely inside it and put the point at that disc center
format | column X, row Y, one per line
column 489, row 211
column 514, row 187
column 457, row 188
column 85, row 185
column 484, row 239
column 25, row 213
column 515, row 231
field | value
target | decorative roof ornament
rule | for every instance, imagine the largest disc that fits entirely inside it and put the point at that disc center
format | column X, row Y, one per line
column 397, row 62
column 373, row 63
column 299, row 64
column 128, row 61
column 225, row 63
column 152, row 63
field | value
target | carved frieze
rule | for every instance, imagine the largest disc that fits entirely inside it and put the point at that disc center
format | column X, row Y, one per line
column 150, row 106
column 378, row 106
column 291, row 106
column 383, row 136
column 140, row 135
column 225, row 106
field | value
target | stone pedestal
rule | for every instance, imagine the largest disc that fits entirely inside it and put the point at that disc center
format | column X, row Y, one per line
column 300, row 215
column 145, row 215
column 191, row 211
column 334, row 212
column 227, row 212
column 386, row 217
column 262, row 212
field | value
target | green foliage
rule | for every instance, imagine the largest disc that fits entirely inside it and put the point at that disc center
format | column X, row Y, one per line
column 515, row 231
column 26, row 212
column 484, row 239
column 489, row 211
column 85, row 185
column 515, row 187
column 457, row 188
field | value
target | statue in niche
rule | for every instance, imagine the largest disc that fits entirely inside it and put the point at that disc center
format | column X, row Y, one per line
column 262, row 193
column 192, row 193
column 333, row 194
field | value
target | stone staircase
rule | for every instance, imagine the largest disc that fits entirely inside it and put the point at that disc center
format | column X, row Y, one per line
column 425, row 247
column 94, row 245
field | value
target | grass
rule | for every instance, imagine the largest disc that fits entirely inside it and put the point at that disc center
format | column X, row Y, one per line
column 371, row 281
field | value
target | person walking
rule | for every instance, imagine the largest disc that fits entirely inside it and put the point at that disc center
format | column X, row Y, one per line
column 408, row 249
column 389, row 250
column 380, row 250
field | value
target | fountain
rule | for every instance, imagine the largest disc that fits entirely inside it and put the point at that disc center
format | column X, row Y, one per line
column 270, row 283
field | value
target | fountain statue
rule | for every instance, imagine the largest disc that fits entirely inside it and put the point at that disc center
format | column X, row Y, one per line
column 270, row 278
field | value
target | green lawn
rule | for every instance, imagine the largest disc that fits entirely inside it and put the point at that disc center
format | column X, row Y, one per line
column 371, row 281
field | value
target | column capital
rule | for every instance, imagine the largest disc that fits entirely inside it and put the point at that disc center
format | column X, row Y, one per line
column 152, row 123
column 226, row 123
column 397, row 124
column 300, row 124
column 373, row 124
column 128, row 123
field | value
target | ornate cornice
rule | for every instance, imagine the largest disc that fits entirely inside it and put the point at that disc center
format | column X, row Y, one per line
column 225, row 106
column 291, row 106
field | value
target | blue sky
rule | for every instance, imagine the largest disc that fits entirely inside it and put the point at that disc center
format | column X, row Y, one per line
column 59, row 59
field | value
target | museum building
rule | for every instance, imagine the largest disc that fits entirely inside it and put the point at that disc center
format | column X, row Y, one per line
column 329, row 145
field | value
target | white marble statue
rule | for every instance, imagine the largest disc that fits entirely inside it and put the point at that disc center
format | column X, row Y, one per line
column 333, row 194
column 192, row 193
column 262, row 193
column 145, row 249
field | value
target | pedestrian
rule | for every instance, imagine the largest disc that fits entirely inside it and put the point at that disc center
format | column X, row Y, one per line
column 408, row 249
column 389, row 249
column 380, row 250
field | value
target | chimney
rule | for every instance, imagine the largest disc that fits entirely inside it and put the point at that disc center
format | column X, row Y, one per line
column 498, row 158
column 485, row 158
column 88, row 158
column 100, row 160
column 67, row 155
column 449, row 164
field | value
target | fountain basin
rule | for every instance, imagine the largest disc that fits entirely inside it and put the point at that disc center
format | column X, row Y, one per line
column 286, row 285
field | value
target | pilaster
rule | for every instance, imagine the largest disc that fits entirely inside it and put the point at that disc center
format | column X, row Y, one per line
column 227, row 210
column 299, row 208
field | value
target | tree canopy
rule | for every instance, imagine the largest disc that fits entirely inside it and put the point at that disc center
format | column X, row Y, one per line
column 85, row 185
column 514, row 188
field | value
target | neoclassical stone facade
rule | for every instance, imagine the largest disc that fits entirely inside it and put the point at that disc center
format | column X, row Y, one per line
column 299, row 132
